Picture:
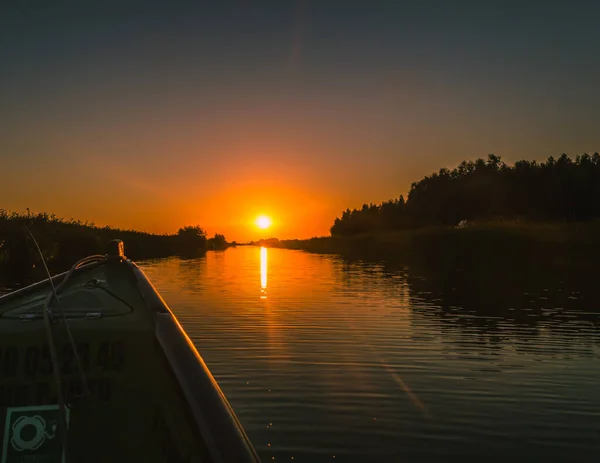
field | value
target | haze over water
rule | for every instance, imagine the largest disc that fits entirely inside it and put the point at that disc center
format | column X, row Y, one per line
column 321, row 357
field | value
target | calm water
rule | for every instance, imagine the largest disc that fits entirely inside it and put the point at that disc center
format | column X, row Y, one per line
column 328, row 360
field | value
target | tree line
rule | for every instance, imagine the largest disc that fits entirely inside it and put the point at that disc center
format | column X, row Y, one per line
column 65, row 241
column 563, row 189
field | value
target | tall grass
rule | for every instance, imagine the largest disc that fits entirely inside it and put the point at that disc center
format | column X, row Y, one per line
column 63, row 241
column 479, row 243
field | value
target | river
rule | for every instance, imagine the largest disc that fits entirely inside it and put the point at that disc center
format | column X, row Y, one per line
column 325, row 359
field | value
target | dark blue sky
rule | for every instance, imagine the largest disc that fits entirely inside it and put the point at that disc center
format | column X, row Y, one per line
column 333, row 102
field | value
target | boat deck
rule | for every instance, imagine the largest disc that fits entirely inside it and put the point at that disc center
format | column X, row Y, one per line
column 136, row 409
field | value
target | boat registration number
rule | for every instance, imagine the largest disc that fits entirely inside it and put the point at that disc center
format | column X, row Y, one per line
column 25, row 372
column 35, row 360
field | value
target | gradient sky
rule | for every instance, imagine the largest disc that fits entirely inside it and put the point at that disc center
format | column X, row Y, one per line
column 157, row 115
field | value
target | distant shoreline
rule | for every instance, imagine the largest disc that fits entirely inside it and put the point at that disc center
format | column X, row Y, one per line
column 474, row 243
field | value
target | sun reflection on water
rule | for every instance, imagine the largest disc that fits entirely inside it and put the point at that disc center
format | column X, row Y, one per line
column 263, row 273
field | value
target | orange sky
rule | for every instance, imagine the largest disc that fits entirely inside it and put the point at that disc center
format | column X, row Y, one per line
column 156, row 118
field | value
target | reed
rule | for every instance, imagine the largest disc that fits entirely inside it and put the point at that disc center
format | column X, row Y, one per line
column 63, row 241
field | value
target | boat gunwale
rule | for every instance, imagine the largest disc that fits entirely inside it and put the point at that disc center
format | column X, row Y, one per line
column 228, row 441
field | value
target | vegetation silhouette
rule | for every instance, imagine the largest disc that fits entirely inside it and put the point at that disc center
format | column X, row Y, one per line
column 64, row 241
column 558, row 190
column 191, row 241
column 270, row 242
column 217, row 243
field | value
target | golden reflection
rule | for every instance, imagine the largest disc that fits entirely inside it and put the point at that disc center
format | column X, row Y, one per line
column 263, row 273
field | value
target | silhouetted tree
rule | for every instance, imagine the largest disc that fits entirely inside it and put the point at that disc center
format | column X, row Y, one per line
column 191, row 240
column 217, row 243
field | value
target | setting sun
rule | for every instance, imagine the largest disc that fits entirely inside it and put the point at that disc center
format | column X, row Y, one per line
column 263, row 222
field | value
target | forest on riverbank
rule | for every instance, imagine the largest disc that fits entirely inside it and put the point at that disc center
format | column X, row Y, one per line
column 555, row 191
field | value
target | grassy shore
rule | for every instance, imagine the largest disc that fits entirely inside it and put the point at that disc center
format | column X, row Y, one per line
column 479, row 243
column 63, row 242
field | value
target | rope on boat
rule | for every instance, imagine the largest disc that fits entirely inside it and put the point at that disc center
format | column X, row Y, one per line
column 47, row 313
column 48, row 316
column 54, row 294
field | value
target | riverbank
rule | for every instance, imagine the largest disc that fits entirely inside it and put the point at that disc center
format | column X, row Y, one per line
column 63, row 242
column 459, row 247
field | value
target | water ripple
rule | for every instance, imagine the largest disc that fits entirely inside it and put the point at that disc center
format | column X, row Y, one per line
column 327, row 357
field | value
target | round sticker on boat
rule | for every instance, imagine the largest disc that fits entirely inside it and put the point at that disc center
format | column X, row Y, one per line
column 34, row 439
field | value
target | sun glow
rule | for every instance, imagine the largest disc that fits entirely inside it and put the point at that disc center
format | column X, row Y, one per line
column 263, row 222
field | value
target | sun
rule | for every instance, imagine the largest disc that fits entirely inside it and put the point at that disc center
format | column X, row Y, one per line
column 263, row 222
